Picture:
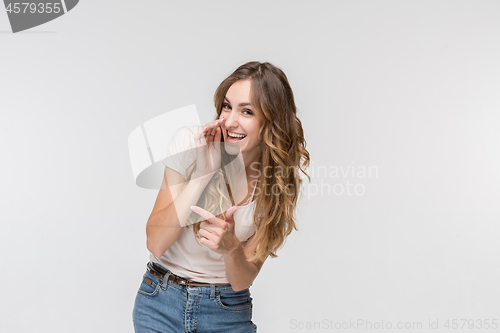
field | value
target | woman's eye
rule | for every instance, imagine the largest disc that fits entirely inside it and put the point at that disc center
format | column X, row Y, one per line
column 226, row 106
column 248, row 112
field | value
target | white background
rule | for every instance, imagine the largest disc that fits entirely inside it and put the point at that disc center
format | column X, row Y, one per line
column 410, row 87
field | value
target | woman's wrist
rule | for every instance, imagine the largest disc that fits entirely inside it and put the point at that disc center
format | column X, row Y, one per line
column 189, row 196
column 235, row 251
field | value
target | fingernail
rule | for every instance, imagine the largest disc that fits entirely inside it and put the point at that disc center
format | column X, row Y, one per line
column 221, row 119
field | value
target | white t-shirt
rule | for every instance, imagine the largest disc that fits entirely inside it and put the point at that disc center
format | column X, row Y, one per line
column 186, row 257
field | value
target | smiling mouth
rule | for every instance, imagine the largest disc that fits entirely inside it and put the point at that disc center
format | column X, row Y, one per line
column 235, row 137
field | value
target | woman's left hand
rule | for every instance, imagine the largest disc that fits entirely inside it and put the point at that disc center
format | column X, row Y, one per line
column 218, row 235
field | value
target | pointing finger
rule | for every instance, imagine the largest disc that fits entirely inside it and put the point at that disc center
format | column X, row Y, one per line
column 206, row 215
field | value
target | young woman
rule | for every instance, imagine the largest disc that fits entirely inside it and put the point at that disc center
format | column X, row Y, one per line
column 202, row 260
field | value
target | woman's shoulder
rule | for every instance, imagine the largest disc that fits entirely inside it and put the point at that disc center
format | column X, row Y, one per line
column 180, row 152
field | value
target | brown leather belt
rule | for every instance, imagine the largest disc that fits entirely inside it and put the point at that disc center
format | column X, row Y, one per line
column 160, row 272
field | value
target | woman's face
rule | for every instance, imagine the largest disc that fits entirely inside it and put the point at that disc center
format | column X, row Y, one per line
column 243, row 121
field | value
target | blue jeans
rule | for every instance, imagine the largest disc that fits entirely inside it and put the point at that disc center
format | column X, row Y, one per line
column 166, row 307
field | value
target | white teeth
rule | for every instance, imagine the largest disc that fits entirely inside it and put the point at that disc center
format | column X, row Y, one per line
column 233, row 135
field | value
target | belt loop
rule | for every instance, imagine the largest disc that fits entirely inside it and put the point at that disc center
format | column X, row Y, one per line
column 164, row 281
column 212, row 290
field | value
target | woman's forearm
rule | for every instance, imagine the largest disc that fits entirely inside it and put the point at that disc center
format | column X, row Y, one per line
column 165, row 226
column 240, row 273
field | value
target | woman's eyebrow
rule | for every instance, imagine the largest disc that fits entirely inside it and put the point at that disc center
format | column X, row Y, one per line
column 241, row 104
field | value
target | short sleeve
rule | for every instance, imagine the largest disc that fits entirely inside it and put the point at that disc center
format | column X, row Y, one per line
column 181, row 150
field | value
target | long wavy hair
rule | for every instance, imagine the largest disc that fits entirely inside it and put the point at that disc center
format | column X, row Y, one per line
column 283, row 156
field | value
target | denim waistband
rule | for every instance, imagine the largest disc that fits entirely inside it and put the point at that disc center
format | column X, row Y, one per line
column 202, row 289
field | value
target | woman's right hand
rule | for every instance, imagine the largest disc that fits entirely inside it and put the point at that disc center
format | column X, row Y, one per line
column 208, row 149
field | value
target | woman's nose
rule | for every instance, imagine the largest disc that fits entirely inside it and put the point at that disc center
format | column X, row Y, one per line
column 231, row 119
